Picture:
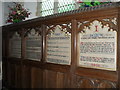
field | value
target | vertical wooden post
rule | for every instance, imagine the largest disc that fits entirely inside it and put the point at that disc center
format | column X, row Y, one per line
column 43, row 53
column 73, row 52
column 43, row 43
column 118, row 48
column 5, row 60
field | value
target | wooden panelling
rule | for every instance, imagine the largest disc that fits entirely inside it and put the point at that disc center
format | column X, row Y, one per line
column 26, row 76
column 17, row 76
column 97, row 73
column 12, row 67
column 36, row 77
column 54, row 79
column 60, row 80
column 11, row 75
column 57, row 67
column 26, row 73
column 4, row 72
column 50, row 78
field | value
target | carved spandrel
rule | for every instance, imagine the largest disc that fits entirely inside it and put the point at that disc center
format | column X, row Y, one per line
column 33, row 45
column 15, row 46
column 58, row 46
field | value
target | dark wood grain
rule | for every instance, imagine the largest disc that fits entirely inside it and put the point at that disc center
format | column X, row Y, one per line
column 26, row 77
column 36, row 78
column 118, row 49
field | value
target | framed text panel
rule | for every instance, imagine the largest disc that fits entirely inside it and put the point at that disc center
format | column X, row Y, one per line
column 98, row 47
column 58, row 46
column 15, row 46
column 33, row 46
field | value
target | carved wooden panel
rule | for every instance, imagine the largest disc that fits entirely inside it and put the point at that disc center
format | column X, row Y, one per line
column 60, row 80
column 106, row 84
column 33, row 44
column 9, row 80
column 17, row 76
column 4, row 72
column 53, row 79
column 15, row 45
column 3, row 47
column 26, row 76
column 98, row 46
column 36, row 78
column 11, row 75
column 48, row 77
column 86, row 82
column 58, row 44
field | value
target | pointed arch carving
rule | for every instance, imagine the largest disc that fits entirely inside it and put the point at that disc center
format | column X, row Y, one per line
column 64, row 27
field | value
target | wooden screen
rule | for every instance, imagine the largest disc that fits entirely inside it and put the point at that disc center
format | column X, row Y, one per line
column 79, row 50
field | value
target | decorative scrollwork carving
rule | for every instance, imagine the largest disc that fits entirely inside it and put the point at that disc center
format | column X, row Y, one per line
column 86, row 82
column 106, row 84
column 96, row 26
column 108, row 23
column 111, row 20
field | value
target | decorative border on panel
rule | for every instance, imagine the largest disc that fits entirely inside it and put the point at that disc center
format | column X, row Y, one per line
column 112, row 22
